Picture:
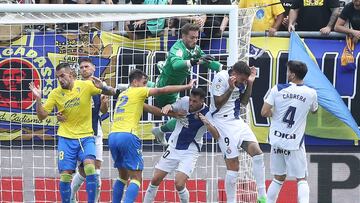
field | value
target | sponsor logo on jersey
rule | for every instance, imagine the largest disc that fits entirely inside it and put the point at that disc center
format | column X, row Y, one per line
column 285, row 135
column 281, row 151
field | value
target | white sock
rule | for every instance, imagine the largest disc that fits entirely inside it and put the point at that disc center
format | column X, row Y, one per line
column 273, row 190
column 230, row 185
column 98, row 189
column 303, row 191
column 150, row 193
column 184, row 195
column 259, row 174
column 76, row 183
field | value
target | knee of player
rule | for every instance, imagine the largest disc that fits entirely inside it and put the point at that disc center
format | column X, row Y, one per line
column 179, row 185
column 180, row 182
column 136, row 176
column 232, row 164
column 156, row 180
column 254, row 150
column 81, row 171
column 98, row 164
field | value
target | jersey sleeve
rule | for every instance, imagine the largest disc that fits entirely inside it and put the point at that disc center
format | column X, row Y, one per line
column 345, row 13
column 93, row 90
column 297, row 4
column 219, row 85
column 270, row 96
column 143, row 92
column 277, row 9
column 50, row 102
column 314, row 106
column 176, row 59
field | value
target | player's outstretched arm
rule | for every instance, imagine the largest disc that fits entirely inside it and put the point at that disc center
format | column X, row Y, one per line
column 40, row 111
column 171, row 88
column 106, row 90
column 215, row 134
column 159, row 112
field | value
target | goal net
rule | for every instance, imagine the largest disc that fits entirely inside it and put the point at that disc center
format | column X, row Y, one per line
column 35, row 38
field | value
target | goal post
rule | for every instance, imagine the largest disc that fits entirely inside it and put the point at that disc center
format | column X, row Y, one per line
column 27, row 145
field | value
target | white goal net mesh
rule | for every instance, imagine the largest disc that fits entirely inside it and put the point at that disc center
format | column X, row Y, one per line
column 32, row 44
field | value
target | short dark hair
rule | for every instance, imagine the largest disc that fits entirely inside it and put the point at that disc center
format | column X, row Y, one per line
column 136, row 74
column 85, row 59
column 185, row 29
column 63, row 65
column 298, row 68
column 241, row 67
column 198, row 92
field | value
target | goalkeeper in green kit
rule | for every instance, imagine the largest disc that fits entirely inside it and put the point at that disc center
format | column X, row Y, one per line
column 183, row 55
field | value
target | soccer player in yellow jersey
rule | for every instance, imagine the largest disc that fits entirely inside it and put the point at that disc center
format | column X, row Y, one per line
column 124, row 142
column 76, row 141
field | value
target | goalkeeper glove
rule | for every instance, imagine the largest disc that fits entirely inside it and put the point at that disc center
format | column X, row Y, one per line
column 207, row 58
column 193, row 62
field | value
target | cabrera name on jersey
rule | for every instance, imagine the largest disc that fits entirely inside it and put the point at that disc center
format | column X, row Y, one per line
column 188, row 137
column 291, row 104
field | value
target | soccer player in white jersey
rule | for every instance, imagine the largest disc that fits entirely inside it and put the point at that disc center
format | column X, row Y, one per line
column 229, row 89
column 288, row 106
column 184, row 144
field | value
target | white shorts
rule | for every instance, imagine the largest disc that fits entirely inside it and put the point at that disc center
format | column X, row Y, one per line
column 293, row 163
column 180, row 160
column 99, row 145
column 233, row 132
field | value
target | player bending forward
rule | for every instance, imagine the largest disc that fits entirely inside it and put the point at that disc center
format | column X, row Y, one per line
column 184, row 144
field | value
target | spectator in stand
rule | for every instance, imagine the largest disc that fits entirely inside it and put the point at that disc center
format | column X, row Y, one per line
column 175, row 23
column 287, row 6
column 215, row 24
column 315, row 15
column 141, row 29
column 351, row 13
column 267, row 18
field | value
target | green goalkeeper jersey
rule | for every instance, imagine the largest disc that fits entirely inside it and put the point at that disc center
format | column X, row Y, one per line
column 177, row 68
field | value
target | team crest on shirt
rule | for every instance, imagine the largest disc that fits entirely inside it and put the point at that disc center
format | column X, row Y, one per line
column 228, row 150
column 179, row 53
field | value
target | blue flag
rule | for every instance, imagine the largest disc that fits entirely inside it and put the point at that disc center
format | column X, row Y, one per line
column 328, row 98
